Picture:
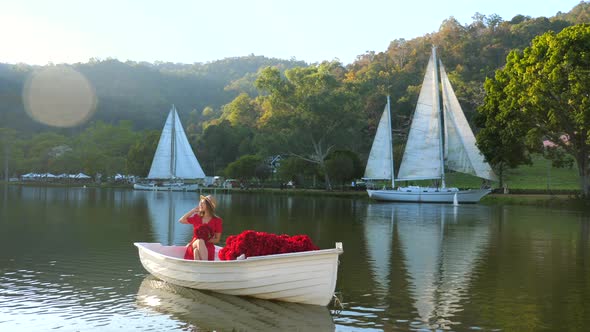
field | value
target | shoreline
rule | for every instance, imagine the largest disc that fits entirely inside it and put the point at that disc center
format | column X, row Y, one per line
column 532, row 198
column 560, row 199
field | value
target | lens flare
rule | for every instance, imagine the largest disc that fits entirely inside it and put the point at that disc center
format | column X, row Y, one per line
column 59, row 96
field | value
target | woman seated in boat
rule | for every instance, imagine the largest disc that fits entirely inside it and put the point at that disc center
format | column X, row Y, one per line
column 207, row 227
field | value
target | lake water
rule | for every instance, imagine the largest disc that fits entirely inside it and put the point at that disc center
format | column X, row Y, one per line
column 67, row 263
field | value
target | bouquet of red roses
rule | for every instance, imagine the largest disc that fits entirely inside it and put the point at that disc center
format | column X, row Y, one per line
column 252, row 243
column 204, row 232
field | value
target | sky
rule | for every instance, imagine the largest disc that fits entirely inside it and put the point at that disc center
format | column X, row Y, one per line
column 193, row 31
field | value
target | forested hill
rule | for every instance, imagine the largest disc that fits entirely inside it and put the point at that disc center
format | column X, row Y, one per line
column 141, row 92
column 304, row 110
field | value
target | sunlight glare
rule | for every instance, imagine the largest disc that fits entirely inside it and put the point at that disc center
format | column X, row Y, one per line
column 59, row 96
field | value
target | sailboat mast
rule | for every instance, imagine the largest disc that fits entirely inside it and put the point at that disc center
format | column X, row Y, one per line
column 390, row 141
column 439, row 112
column 173, row 144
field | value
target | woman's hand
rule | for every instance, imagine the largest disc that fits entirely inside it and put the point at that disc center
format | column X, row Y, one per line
column 215, row 238
column 183, row 219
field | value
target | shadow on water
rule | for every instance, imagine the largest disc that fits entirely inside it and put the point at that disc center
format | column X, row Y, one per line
column 203, row 310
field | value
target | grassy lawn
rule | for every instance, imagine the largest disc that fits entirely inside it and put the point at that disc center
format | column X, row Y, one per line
column 538, row 176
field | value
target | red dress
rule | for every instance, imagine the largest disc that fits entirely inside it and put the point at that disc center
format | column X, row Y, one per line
column 196, row 220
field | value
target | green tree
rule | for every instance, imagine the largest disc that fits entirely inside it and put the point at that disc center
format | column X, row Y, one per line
column 343, row 166
column 221, row 144
column 293, row 168
column 10, row 152
column 141, row 153
column 241, row 112
column 502, row 129
column 262, row 171
column 39, row 151
column 308, row 113
column 66, row 160
column 244, row 168
column 104, row 148
column 547, row 86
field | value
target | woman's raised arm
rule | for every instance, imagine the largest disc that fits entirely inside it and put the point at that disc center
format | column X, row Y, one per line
column 183, row 219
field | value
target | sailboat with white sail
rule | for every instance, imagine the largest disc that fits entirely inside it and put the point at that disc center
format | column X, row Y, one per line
column 174, row 160
column 432, row 145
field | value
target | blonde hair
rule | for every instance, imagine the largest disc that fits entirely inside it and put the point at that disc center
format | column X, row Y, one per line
column 210, row 205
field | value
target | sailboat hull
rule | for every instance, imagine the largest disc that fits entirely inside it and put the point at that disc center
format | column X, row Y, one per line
column 164, row 187
column 428, row 195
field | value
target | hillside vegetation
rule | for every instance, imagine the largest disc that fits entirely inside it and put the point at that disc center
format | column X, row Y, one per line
column 320, row 117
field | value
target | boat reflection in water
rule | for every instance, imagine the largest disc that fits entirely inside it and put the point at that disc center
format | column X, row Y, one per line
column 204, row 310
column 439, row 247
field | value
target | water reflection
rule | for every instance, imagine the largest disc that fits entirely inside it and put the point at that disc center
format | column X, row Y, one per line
column 162, row 215
column 67, row 259
column 4, row 200
column 198, row 310
column 378, row 235
column 437, row 247
column 164, row 209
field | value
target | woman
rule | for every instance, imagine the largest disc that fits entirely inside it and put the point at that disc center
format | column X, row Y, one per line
column 202, row 246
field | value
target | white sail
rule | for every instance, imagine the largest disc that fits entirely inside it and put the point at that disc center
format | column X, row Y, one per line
column 423, row 148
column 425, row 157
column 379, row 164
column 461, row 153
column 174, row 156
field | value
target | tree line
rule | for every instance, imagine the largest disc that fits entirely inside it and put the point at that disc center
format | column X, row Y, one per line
column 319, row 117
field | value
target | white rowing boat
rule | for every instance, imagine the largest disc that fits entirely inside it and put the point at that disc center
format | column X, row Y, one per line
column 303, row 277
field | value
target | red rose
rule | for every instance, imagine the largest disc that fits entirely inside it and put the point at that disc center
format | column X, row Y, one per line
column 251, row 243
column 204, row 232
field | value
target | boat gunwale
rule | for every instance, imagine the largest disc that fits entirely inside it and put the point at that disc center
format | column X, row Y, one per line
column 320, row 252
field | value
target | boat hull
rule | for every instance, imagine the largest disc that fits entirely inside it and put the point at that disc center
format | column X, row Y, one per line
column 428, row 195
column 184, row 187
column 304, row 277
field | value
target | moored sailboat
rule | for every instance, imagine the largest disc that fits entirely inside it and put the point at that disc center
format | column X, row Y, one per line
column 174, row 160
column 432, row 144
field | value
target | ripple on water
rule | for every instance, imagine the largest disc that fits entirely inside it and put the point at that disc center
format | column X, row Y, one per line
column 65, row 294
